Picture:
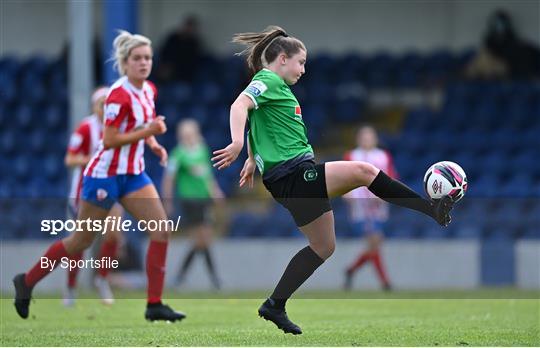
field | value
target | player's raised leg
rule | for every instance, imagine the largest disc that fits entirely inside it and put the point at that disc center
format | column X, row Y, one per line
column 145, row 205
column 343, row 176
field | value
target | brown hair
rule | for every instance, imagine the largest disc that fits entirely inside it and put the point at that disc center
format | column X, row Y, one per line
column 262, row 48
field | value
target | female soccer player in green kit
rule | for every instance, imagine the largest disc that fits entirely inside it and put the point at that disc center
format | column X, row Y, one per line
column 190, row 171
column 278, row 146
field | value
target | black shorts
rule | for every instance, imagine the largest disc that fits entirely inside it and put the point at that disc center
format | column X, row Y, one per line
column 303, row 192
column 194, row 212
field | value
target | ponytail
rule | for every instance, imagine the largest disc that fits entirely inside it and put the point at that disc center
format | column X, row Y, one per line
column 264, row 47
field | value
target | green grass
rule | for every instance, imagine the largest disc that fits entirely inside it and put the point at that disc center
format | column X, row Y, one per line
column 398, row 319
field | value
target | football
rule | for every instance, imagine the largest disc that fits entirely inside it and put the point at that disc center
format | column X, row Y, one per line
column 445, row 179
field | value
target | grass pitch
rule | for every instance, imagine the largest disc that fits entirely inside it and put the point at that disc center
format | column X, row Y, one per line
column 335, row 319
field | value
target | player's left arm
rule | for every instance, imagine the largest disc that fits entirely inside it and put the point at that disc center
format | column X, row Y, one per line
column 157, row 149
column 78, row 147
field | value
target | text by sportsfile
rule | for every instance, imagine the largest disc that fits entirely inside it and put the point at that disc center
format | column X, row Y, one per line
column 108, row 224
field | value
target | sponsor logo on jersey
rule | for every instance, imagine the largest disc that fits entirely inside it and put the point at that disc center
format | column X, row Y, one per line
column 298, row 113
column 310, row 175
column 75, row 141
column 101, row 194
column 256, row 88
column 111, row 111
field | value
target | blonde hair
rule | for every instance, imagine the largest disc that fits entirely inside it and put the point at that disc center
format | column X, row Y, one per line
column 123, row 44
column 264, row 47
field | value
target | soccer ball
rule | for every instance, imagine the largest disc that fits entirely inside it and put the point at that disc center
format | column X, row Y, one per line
column 445, row 179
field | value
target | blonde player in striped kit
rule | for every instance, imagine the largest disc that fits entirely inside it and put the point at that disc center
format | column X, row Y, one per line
column 116, row 174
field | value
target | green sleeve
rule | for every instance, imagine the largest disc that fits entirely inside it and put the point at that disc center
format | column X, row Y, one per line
column 262, row 89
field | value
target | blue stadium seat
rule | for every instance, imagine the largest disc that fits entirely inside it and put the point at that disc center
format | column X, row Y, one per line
column 519, row 185
column 207, row 92
column 315, row 115
column 400, row 231
column 349, row 110
column 532, row 232
column 486, row 186
column 55, row 117
column 485, row 115
column 518, row 113
column 24, row 116
column 419, row 119
column 244, row 225
column 37, row 142
column 321, row 68
column 320, row 92
column 199, row 112
column 409, row 72
column 379, row 72
column 8, row 142
column 8, row 89
column 177, row 92
column 435, row 232
column 354, row 63
column 500, row 233
column 468, row 231
column 21, row 167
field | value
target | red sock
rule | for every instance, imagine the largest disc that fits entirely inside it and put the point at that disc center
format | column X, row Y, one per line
column 155, row 269
column 72, row 272
column 377, row 262
column 108, row 249
column 36, row 273
column 363, row 258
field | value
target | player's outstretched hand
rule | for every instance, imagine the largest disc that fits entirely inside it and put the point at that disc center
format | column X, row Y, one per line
column 224, row 157
column 246, row 175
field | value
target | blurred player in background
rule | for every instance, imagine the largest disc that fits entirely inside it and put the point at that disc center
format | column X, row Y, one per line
column 279, row 147
column 116, row 173
column 83, row 143
column 368, row 213
column 190, row 170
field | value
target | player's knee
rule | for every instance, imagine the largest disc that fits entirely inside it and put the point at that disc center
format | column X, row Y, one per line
column 324, row 250
column 365, row 172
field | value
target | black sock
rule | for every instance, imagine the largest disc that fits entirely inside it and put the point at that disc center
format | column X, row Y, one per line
column 187, row 262
column 396, row 192
column 299, row 269
column 209, row 262
column 156, row 304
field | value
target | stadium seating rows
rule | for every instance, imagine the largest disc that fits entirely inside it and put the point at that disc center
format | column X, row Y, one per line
column 491, row 129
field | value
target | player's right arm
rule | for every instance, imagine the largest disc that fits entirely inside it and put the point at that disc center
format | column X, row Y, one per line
column 239, row 113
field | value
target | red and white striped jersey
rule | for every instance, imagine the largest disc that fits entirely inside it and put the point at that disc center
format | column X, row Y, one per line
column 126, row 108
column 364, row 204
column 84, row 141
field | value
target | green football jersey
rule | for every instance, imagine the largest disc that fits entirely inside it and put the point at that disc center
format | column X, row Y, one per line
column 277, row 132
column 193, row 171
